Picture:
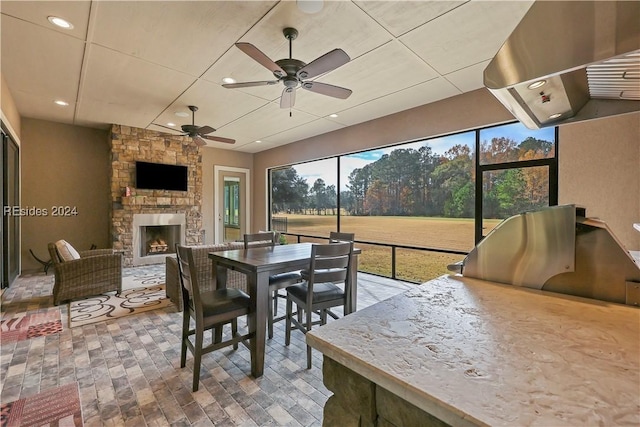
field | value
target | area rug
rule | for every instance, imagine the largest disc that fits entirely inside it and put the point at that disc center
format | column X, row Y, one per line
column 139, row 294
column 59, row 406
column 23, row 326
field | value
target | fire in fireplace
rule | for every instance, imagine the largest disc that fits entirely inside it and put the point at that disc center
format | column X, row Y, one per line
column 158, row 239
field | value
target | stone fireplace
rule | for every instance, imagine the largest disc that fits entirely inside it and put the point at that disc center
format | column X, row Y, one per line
column 177, row 214
column 155, row 236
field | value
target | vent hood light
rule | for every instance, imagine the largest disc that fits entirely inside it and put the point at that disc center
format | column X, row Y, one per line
column 536, row 85
column 592, row 74
column 59, row 22
column 555, row 116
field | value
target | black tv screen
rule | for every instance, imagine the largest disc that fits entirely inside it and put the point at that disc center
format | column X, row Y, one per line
column 158, row 176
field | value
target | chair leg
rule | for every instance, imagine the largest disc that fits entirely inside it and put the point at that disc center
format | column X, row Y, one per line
column 275, row 302
column 217, row 333
column 271, row 315
column 234, row 331
column 197, row 358
column 323, row 317
column 185, row 336
column 287, row 334
column 308, row 328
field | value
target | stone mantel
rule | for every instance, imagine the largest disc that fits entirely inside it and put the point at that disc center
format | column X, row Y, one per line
column 129, row 145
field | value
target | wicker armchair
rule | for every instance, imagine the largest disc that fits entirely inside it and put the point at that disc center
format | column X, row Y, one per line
column 96, row 272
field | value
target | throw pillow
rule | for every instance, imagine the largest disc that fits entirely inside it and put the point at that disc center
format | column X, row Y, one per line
column 66, row 252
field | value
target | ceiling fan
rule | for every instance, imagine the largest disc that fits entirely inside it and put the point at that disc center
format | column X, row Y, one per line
column 294, row 73
column 199, row 133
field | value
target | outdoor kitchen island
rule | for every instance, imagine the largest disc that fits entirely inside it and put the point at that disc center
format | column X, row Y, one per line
column 462, row 351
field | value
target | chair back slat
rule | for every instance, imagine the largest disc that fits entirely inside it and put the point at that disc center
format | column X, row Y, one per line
column 188, row 275
column 329, row 263
column 335, row 237
column 260, row 237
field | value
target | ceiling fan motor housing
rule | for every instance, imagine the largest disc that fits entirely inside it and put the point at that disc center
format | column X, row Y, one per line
column 290, row 66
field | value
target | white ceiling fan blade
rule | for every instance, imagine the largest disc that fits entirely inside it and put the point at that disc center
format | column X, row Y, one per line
column 249, row 84
column 257, row 55
column 288, row 98
column 327, row 62
column 326, row 89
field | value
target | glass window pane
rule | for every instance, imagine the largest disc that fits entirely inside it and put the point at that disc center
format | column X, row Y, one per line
column 509, row 192
column 515, row 142
column 419, row 194
column 304, row 197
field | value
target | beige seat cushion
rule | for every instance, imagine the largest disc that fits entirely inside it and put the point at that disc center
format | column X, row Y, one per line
column 66, row 251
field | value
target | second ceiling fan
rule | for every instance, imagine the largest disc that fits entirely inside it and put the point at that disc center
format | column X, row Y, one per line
column 199, row 133
column 294, row 73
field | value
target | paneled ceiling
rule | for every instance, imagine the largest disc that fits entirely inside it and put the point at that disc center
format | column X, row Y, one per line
column 139, row 63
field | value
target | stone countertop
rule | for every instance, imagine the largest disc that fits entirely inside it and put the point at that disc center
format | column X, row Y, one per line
column 472, row 352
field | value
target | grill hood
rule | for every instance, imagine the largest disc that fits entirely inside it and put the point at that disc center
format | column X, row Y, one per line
column 587, row 54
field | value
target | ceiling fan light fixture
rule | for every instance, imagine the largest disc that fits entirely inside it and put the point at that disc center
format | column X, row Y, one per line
column 61, row 103
column 310, row 6
column 60, row 22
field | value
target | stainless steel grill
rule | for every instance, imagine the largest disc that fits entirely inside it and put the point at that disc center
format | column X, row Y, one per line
column 556, row 249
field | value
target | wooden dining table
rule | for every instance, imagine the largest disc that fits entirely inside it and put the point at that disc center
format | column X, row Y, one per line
column 258, row 264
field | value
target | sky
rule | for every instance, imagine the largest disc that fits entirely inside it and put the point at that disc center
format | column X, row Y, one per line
column 324, row 168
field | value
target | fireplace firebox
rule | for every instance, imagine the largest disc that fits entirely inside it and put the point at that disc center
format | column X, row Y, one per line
column 159, row 239
column 155, row 236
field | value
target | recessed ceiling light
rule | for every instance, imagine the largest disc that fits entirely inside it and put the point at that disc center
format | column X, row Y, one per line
column 258, row 141
column 182, row 114
column 59, row 22
column 536, row 84
column 333, row 115
column 228, row 80
column 555, row 116
column 171, row 124
column 61, row 103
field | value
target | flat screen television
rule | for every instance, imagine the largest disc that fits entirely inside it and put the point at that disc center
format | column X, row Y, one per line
column 158, row 176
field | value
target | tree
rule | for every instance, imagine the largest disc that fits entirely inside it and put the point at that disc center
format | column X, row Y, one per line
column 450, row 178
column 288, row 190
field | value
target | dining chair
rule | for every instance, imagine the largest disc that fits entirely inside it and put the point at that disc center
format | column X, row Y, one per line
column 328, row 266
column 335, row 236
column 277, row 281
column 210, row 310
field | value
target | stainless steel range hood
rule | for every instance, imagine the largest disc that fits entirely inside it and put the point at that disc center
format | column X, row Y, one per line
column 569, row 61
